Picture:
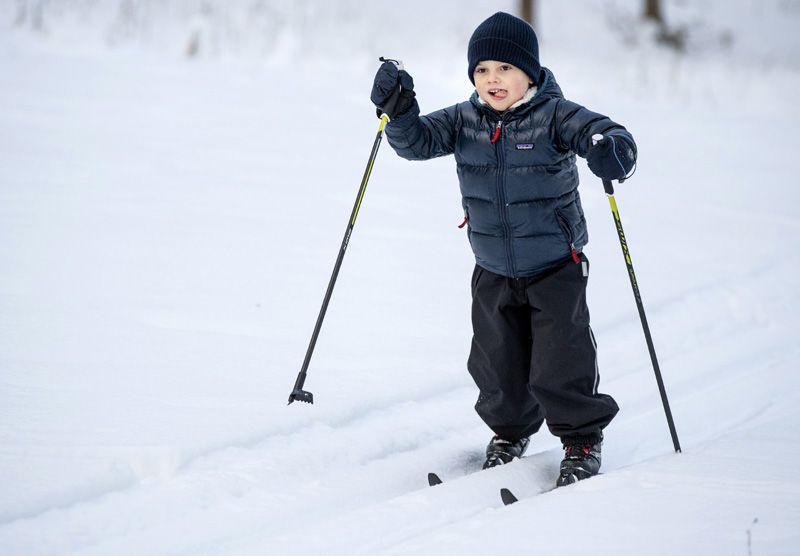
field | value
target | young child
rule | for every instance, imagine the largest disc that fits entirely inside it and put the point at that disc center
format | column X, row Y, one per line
column 533, row 354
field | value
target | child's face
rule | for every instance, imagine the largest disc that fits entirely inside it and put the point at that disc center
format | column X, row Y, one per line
column 500, row 84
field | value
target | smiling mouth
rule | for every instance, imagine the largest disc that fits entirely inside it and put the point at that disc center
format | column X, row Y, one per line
column 498, row 94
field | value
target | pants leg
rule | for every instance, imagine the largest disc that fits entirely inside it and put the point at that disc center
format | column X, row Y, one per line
column 500, row 357
column 563, row 366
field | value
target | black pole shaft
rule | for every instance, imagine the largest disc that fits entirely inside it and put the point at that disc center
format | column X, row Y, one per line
column 301, row 377
column 609, row 188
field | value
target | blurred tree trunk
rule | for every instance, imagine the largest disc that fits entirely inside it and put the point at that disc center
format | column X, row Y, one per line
column 527, row 10
column 652, row 11
column 673, row 37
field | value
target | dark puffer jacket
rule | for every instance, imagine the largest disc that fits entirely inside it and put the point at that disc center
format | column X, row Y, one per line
column 520, row 192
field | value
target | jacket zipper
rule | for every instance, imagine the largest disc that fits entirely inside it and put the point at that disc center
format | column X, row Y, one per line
column 499, row 142
column 565, row 227
column 466, row 219
column 496, row 135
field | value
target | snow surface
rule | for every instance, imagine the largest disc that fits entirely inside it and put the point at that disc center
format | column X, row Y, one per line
column 168, row 229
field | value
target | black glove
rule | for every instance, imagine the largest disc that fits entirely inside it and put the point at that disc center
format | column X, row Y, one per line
column 612, row 158
column 393, row 91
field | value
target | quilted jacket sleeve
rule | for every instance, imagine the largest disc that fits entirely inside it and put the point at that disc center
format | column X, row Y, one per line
column 416, row 137
column 574, row 126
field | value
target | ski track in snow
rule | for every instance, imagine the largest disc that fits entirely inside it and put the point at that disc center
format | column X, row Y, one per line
column 260, row 476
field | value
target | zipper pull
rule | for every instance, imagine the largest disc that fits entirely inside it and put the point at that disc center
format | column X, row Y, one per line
column 574, row 252
column 496, row 135
column 464, row 223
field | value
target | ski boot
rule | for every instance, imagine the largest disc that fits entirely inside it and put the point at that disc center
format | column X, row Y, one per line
column 501, row 451
column 581, row 458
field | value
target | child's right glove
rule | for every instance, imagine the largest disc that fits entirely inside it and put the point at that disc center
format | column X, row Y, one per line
column 612, row 158
column 385, row 96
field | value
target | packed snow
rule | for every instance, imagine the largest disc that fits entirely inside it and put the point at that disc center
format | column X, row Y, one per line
column 175, row 180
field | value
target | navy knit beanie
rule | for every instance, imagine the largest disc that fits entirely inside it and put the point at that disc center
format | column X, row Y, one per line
column 505, row 38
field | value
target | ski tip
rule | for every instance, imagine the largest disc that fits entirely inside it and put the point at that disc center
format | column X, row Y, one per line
column 507, row 497
column 433, row 479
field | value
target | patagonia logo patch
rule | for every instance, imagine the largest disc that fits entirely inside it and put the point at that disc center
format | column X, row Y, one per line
column 525, row 146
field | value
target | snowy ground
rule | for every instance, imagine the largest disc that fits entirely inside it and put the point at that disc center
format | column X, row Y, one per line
column 168, row 229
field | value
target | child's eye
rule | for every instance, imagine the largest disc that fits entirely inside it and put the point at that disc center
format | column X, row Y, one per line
column 480, row 70
column 505, row 67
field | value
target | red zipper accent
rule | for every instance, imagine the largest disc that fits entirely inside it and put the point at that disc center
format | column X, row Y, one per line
column 496, row 135
column 464, row 223
column 574, row 252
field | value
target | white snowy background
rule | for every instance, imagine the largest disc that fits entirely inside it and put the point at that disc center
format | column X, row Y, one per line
column 175, row 180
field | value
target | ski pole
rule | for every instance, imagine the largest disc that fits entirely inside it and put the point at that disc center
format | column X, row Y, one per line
column 609, row 188
column 298, row 394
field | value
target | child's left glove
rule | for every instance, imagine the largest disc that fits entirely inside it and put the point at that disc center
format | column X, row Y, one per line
column 385, row 96
column 612, row 158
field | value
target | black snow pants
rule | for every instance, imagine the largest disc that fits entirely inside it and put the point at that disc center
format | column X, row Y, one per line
column 533, row 353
